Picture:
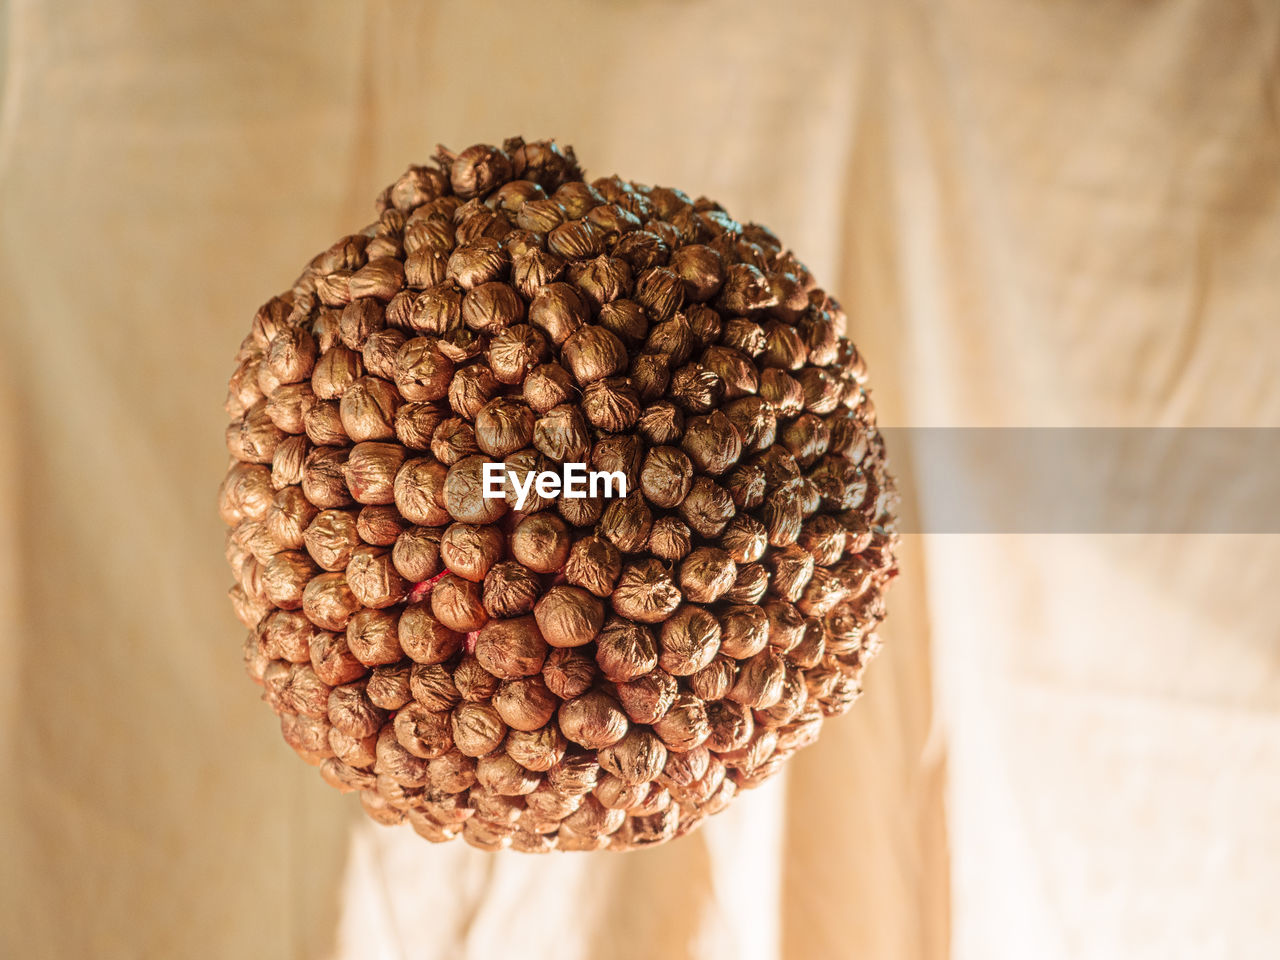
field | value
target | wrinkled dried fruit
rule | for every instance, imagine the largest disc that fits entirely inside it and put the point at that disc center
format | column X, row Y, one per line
column 534, row 668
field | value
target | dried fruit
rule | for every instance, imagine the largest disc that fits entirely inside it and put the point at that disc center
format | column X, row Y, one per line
column 593, row 720
column 706, row 574
column 569, row 616
column 535, row 669
column 594, row 564
column 541, row 543
column 646, row 592
column 470, row 551
column 510, row 590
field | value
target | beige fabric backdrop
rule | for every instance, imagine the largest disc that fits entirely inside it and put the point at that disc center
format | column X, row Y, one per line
column 1036, row 213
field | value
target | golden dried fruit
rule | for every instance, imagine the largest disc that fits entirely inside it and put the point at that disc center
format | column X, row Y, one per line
column 521, row 666
column 569, row 616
